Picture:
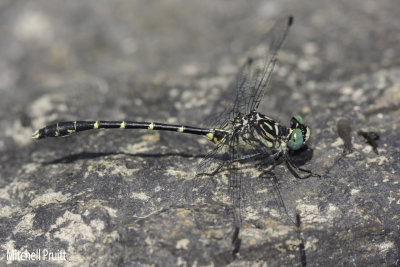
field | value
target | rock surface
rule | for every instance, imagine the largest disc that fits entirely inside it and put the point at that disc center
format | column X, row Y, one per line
column 120, row 197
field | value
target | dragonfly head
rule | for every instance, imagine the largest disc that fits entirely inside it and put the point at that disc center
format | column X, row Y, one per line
column 299, row 133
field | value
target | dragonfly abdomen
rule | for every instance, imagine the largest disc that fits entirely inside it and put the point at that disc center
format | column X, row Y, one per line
column 69, row 127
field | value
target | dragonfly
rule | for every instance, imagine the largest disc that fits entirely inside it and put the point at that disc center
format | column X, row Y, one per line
column 242, row 133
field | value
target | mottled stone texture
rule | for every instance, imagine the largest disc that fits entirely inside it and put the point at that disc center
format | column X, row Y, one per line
column 120, row 197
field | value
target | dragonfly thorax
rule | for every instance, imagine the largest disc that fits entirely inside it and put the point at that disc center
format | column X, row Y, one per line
column 257, row 131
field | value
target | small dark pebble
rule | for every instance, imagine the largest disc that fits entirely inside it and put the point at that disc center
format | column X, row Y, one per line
column 370, row 138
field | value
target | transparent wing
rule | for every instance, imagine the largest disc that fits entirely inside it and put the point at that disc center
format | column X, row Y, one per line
column 251, row 82
column 262, row 191
column 253, row 187
column 218, row 186
column 235, row 180
column 269, row 178
column 208, row 190
column 258, row 75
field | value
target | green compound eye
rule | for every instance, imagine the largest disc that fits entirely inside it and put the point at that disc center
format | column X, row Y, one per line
column 299, row 119
column 296, row 139
column 295, row 121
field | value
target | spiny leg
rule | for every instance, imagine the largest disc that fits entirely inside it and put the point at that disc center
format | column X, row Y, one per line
column 226, row 161
column 293, row 165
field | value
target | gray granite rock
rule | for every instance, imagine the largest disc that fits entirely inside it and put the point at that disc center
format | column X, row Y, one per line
column 121, row 197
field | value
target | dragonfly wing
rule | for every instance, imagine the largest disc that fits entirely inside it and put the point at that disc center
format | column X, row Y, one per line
column 246, row 91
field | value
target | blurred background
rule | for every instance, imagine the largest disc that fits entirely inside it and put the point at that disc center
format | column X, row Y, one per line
column 171, row 61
